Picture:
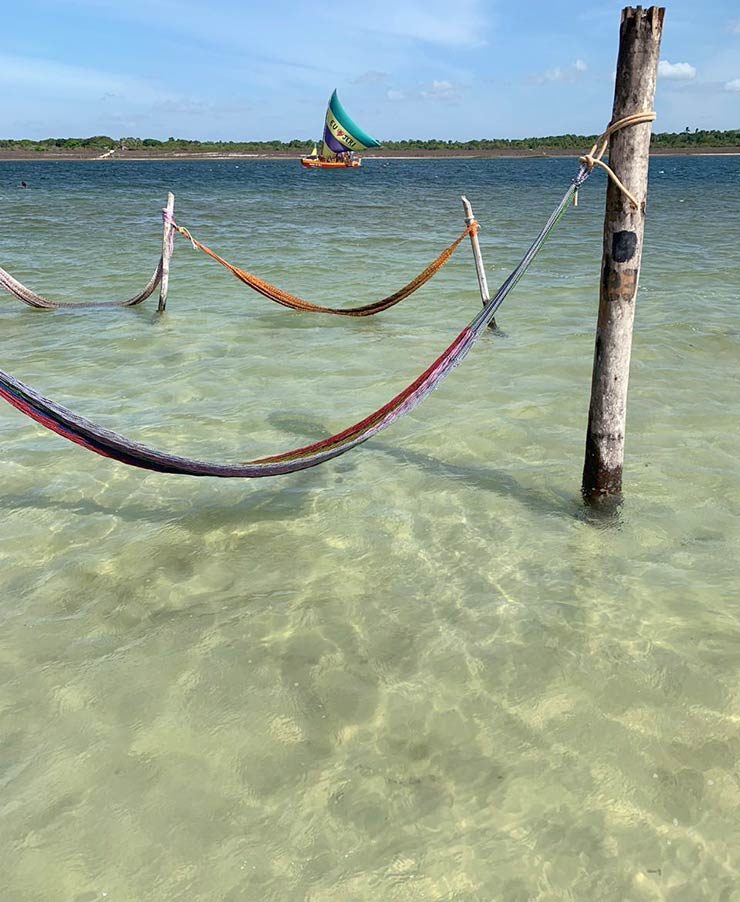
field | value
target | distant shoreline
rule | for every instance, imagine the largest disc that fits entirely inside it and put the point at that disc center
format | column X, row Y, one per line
column 9, row 156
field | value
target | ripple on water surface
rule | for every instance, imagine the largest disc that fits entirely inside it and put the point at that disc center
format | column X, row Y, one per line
column 420, row 671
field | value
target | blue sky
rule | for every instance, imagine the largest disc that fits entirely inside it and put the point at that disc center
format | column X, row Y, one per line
column 451, row 69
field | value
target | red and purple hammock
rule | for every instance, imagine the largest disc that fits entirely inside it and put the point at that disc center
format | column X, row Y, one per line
column 112, row 445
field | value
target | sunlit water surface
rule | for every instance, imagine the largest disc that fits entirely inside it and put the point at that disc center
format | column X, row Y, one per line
column 418, row 672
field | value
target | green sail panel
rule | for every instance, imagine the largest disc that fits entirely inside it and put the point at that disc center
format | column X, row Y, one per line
column 341, row 132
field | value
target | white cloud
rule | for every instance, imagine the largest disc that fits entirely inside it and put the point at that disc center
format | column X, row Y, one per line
column 395, row 95
column 440, row 90
column 555, row 74
column 733, row 85
column 560, row 73
column 676, row 71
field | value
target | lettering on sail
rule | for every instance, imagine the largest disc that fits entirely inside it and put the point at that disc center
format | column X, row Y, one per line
column 340, row 134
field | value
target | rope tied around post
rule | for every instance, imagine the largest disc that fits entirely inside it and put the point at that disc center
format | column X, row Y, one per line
column 594, row 156
column 169, row 219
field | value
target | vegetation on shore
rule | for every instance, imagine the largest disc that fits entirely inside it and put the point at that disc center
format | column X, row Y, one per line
column 687, row 139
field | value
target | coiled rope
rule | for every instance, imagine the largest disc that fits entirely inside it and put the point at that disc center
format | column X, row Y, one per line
column 110, row 444
column 593, row 157
column 295, row 303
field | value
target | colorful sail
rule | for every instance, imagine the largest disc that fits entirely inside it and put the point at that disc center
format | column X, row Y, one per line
column 341, row 134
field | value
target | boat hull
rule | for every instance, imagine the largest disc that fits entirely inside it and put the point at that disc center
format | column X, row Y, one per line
column 313, row 163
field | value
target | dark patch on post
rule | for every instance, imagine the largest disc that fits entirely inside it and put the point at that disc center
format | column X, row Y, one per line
column 624, row 245
column 622, row 285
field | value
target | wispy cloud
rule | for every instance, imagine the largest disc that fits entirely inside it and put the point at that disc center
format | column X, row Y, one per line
column 234, row 28
column 561, row 73
column 431, row 21
column 189, row 106
column 371, row 78
column 71, row 81
column 440, row 90
column 104, row 99
column 676, row 71
column 264, row 70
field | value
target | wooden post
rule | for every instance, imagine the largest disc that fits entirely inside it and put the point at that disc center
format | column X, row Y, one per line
column 167, row 248
column 634, row 91
column 478, row 257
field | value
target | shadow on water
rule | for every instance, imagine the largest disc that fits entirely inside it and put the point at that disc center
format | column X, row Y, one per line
column 490, row 479
column 288, row 500
column 483, row 477
column 607, row 514
column 281, row 502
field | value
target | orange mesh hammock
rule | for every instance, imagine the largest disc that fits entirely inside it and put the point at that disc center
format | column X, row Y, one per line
column 296, row 303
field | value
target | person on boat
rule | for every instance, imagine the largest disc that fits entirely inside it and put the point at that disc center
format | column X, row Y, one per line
column 23, row 185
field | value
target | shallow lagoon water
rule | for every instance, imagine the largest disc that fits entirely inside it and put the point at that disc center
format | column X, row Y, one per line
column 421, row 671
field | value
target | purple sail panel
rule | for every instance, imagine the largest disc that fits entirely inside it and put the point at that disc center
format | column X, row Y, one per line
column 331, row 142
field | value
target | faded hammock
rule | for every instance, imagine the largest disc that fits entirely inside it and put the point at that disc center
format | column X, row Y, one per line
column 18, row 290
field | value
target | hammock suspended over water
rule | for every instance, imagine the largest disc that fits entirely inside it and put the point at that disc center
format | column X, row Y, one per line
column 110, row 444
column 18, row 290
column 285, row 299
column 272, row 292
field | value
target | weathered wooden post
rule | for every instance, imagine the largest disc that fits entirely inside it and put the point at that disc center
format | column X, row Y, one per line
column 167, row 248
column 634, row 91
column 478, row 257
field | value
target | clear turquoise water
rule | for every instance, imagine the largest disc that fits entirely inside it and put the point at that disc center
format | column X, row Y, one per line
column 419, row 672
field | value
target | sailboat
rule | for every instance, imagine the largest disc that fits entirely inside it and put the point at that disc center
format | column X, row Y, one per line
column 342, row 141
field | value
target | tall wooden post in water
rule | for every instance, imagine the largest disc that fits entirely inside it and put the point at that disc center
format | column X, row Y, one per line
column 167, row 237
column 634, row 92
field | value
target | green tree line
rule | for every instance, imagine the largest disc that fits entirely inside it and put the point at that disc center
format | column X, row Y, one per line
column 101, row 143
